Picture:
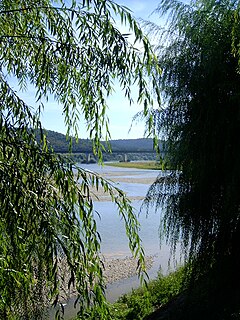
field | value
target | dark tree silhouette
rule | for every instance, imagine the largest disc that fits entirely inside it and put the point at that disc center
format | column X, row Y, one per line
column 200, row 82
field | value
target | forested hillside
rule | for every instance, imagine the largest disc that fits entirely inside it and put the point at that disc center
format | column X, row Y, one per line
column 60, row 144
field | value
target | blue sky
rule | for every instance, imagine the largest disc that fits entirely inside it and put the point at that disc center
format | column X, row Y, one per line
column 120, row 113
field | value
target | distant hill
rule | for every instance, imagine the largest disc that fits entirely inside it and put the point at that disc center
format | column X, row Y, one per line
column 60, row 144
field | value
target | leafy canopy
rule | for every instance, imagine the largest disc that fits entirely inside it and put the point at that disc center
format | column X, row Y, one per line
column 74, row 52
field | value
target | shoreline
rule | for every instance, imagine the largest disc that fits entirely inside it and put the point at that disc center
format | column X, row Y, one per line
column 114, row 270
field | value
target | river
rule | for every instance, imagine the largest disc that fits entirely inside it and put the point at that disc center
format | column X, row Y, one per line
column 135, row 183
column 114, row 244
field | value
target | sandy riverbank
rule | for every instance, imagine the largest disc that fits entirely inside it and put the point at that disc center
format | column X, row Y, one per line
column 132, row 177
column 114, row 270
column 116, row 177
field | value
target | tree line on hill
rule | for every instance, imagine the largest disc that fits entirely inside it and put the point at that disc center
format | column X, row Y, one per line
column 60, row 144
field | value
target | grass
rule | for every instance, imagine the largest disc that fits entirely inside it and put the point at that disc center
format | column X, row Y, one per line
column 143, row 301
column 152, row 165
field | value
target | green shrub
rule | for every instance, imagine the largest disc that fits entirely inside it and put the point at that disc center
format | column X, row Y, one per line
column 164, row 288
column 133, row 306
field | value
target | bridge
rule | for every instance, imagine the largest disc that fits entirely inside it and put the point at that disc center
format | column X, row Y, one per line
column 126, row 156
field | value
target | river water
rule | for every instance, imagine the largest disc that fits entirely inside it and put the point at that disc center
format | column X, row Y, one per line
column 114, row 242
column 111, row 228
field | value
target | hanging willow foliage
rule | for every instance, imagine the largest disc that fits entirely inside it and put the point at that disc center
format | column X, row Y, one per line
column 72, row 53
column 200, row 84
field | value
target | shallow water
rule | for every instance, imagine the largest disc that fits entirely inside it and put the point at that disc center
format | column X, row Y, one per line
column 111, row 227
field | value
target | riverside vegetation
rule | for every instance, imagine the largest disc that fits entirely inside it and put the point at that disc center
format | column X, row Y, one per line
column 142, row 302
